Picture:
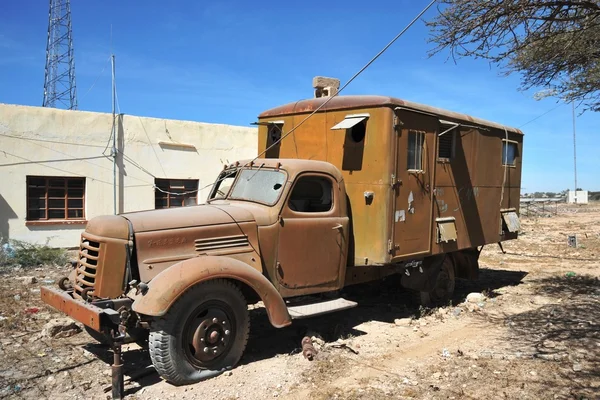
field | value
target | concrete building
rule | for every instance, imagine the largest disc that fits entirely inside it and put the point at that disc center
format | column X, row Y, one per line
column 577, row 197
column 56, row 169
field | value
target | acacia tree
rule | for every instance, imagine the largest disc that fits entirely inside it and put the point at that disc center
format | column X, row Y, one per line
column 553, row 44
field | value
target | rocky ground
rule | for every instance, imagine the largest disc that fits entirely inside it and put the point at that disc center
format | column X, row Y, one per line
column 529, row 328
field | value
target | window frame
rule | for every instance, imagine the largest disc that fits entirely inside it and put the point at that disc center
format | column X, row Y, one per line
column 257, row 169
column 452, row 133
column 506, row 142
column 421, row 147
column 307, row 214
column 47, row 187
column 158, row 194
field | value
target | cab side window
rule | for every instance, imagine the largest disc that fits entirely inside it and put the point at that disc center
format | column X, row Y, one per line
column 312, row 194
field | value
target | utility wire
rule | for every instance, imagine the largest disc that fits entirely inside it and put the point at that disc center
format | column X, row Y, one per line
column 541, row 115
column 175, row 193
column 51, row 141
column 367, row 65
column 98, row 77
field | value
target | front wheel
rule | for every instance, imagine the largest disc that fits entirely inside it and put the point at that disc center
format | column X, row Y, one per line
column 204, row 332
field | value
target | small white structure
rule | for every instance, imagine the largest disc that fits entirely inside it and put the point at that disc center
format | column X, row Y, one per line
column 56, row 167
column 577, row 197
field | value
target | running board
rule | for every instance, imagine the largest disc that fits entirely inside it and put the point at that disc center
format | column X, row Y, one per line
column 324, row 307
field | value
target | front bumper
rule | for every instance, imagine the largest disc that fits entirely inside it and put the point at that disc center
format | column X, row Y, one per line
column 86, row 313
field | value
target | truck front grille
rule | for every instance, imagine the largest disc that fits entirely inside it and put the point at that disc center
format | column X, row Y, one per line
column 85, row 278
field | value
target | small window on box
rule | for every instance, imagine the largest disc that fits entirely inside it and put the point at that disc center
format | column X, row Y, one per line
column 416, row 140
column 509, row 152
column 446, row 145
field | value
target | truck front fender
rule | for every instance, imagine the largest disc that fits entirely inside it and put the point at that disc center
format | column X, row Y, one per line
column 166, row 287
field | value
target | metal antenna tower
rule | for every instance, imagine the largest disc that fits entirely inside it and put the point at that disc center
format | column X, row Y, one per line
column 59, row 82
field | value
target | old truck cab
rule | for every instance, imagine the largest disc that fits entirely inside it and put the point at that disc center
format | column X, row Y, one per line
column 270, row 230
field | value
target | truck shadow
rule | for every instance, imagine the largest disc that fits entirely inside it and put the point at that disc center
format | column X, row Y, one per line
column 384, row 301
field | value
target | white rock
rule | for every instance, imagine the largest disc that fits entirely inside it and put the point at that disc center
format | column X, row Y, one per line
column 403, row 321
column 475, row 297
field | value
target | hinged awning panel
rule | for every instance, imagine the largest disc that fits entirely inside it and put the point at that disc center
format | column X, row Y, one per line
column 350, row 121
column 446, row 228
column 511, row 219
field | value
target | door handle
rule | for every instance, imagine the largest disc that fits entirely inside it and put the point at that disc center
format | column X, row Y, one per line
column 338, row 226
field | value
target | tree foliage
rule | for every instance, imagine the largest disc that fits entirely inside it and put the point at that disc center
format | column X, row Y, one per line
column 553, row 44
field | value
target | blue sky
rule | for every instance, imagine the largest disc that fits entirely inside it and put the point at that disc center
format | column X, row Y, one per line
column 226, row 61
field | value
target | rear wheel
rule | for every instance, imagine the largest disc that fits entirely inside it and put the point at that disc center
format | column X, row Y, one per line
column 205, row 330
column 443, row 291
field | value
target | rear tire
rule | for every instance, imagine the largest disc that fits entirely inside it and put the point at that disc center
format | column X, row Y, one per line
column 443, row 291
column 205, row 330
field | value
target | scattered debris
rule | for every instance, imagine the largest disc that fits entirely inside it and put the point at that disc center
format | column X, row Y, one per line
column 60, row 328
column 342, row 346
column 308, row 350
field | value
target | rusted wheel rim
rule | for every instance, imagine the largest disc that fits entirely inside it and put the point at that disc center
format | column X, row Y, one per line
column 209, row 334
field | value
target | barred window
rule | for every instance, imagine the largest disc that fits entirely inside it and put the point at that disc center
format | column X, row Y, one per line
column 416, row 141
column 446, row 145
column 175, row 193
column 55, row 198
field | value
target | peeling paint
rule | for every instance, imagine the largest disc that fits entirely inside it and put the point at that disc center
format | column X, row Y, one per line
column 442, row 206
column 411, row 198
column 400, row 216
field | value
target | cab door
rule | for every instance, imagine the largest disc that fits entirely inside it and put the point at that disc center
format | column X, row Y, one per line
column 413, row 202
column 312, row 248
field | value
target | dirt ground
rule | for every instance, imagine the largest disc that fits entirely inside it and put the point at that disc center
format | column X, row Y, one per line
column 533, row 334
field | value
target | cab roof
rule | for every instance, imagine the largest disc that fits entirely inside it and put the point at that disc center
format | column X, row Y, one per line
column 293, row 166
column 369, row 101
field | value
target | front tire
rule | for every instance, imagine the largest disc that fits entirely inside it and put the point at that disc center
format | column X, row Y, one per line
column 205, row 330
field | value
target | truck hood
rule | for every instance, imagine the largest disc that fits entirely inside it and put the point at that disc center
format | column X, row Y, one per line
column 185, row 217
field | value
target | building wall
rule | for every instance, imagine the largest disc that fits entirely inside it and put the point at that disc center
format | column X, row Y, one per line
column 51, row 142
column 579, row 197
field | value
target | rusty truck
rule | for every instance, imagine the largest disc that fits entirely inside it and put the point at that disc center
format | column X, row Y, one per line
column 349, row 189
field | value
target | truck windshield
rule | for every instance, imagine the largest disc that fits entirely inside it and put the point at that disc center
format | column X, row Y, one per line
column 260, row 186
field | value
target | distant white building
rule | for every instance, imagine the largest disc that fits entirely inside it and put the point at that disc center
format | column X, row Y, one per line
column 56, row 169
column 577, row 197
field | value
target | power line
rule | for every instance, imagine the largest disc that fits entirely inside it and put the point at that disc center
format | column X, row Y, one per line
column 360, row 71
column 51, row 141
column 540, row 116
column 175, row 193
column 98, row 77
column 51, row 167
